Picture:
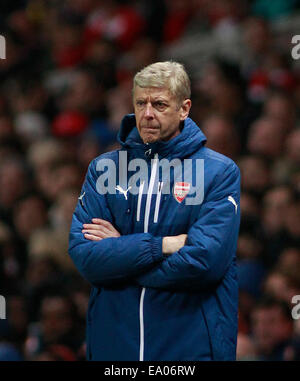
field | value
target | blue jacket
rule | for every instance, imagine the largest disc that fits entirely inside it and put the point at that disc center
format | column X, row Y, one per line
column 143, row 305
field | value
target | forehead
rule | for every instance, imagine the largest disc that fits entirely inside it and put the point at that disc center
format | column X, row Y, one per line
column 152, row 93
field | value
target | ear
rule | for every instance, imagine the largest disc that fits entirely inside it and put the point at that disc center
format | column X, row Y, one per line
column 185, row 109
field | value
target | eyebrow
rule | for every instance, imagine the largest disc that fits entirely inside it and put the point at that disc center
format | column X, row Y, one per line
column 159, row 98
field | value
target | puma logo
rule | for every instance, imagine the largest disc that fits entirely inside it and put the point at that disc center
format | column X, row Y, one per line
column 231, row 199
column 80, row 198
column 121, row 190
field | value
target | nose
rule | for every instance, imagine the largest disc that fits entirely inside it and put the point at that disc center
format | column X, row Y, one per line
column 149, row 111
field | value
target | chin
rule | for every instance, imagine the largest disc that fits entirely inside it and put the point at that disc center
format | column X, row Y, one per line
column 150, row 139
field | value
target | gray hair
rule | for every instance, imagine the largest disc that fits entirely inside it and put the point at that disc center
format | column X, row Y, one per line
column 168, row 74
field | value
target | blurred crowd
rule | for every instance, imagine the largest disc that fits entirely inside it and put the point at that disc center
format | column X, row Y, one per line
column 65, row 86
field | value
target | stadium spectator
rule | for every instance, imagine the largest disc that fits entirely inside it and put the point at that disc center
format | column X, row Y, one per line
column 272, row 330
column 221, row 135
column 58, row 326
column 245, row 350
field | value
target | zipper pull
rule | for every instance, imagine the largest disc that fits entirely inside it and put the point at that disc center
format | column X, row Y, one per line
column 148, row 152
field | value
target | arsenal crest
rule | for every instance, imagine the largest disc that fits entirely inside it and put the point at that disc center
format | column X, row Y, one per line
column 181, row 190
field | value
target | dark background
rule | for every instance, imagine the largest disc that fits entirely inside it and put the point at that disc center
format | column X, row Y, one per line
column 64, row 87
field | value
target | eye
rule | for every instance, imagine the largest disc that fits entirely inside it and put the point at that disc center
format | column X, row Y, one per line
column 140, row 103
column 159, row 105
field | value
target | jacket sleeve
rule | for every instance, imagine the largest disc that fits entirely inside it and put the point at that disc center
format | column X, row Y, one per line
column 211, row 243
column 110, row 260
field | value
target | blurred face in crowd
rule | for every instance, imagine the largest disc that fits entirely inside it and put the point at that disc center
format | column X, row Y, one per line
column 64, row 206
column 275, row 204
column 266, row 137
column 278, row 285
column 39, row 270
column 56, row 318
column 256, row 35
column 6, row 127
column 55, row 180
column 245, row 348
column 144, row 52
column 292, row 219
column 12, row 183
column 84, row 94
column 248, row 246
column 221, row 136
column 270, row 327
column 87, row 150
column 281, row 109
column 223, row 95
column 293, row 146
column 158, row 114
column 249, row 205
column 29, row 215
column 18, row 317
column 289, row 259
column 255, row 174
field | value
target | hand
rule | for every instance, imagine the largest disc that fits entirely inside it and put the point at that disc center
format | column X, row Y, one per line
column 174, row 243
column 99, row 229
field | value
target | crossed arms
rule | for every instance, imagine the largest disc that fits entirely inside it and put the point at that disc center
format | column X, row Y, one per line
column 189, row 261
column 100, row 229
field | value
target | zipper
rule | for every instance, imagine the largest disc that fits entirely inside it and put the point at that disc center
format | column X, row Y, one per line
column 157, row 204
column 141, row 357
column 141, row 188
column 150, row 191
column 146, row 225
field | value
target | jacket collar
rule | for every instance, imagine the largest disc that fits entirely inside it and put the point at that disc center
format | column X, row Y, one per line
column 187, row 142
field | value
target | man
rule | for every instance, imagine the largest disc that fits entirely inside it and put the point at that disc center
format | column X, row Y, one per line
column 159, row 250
column 272, row 331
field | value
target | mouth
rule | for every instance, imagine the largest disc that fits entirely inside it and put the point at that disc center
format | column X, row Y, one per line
column 150, row 128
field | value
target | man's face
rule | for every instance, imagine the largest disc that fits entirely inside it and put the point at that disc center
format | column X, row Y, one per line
column 158, row 114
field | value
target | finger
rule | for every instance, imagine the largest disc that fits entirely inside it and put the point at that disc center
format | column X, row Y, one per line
column 92, row 226
column 105, row 223
column 102, row 225
column 97, row 233
column 92, row 237
column 98, row 227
